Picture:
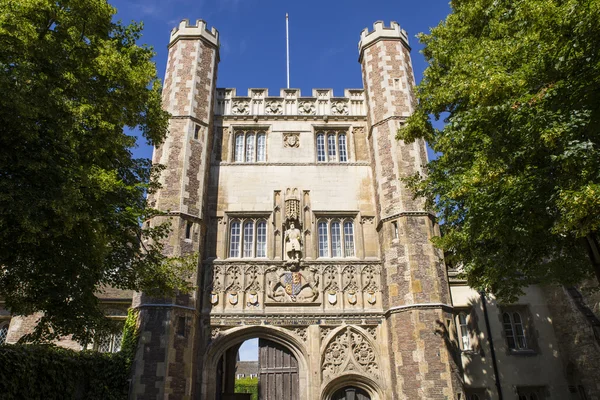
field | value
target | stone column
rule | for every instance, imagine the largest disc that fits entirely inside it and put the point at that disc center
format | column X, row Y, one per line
column 414, row 281
column 170, row 334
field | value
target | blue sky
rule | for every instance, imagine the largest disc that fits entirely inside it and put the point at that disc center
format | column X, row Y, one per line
column 323, row 37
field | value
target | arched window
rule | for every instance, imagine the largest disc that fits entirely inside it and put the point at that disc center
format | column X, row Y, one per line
column 248, row 238
column 261, row 147
column 336, row 239
column 261, row 239
column 333, row 149
column 514, row 330
column 323, row 239
column 250, row 147
column 463, row 330
column 239, row 147
column 234, row 239
column 342, row 146
column 321, row 147
column 342, row 241
column 349, row 239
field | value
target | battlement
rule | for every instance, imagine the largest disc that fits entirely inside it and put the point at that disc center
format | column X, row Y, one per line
column 381, row 31
column 197, row 31
column 290, row 102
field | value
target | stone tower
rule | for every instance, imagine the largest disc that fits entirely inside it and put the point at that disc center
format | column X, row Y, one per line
column 414, row 283
column 168, row 336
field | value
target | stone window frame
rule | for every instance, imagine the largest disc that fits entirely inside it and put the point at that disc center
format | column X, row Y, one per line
column 245, row 132
column 243, row 219
column 472, row 326
column 342, row 218
column 528, row 328
column 464, row 330
column 336, row 133
column 110, row 343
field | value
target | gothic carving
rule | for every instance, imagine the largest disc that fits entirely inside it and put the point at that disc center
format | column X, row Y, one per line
column 369, row 279
column 325, row 331
column 240, row 107
column 291, row 140
column 234, row 279
column 349, row 279
column 214, row 281
column 252, row 279
column 349, row 349
column 306, row 108
column 371, row 330
column 367, row 220
column 287, row 286
column 339, row 108
column 273, row 108
column 330, row 278
column 300, row 332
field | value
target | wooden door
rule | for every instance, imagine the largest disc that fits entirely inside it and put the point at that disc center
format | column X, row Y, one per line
column 350, row 393
column 278, row 372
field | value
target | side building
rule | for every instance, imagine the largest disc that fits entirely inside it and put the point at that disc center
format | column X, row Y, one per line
column 308, row 241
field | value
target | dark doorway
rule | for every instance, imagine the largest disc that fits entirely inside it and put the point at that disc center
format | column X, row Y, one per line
column 350, row 393
column 278, row 372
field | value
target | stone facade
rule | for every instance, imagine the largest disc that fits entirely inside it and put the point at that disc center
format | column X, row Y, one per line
column 308, row 240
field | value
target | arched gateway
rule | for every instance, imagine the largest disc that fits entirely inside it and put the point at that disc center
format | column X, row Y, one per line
column 306, row 237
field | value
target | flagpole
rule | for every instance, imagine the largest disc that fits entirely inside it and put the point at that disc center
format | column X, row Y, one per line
column 287, row 46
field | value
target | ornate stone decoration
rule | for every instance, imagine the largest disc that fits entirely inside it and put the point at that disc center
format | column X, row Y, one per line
column 234, row 279
column 339, row 108
column 273, row 108
column 371, row 330
column 306, row 108
column 240, row 107
column 300, row 286
column 252, row 279
column 348, row 350
column 349, row 278
column 300, row 331
column 215, row 333
column 325, row 331
column 291, row 140
column 292, row 204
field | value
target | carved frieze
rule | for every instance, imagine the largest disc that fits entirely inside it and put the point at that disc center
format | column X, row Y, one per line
column 273, row 108
column 240, row 107
column 306, row 108
column 254, row 285
column 339, row 108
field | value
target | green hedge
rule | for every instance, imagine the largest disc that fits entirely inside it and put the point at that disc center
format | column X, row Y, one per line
column 247, row 385
column 50, row 372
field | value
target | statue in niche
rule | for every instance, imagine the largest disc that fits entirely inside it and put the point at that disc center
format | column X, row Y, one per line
column 293, row 243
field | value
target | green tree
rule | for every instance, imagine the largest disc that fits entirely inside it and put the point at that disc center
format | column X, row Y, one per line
column 517, row 181
column 72, row 197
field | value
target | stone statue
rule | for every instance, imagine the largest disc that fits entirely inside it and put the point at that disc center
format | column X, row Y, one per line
column 293, row 242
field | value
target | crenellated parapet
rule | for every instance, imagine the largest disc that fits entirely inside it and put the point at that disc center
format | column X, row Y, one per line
column 290, row 102
column 198, row 31
column 380, row 31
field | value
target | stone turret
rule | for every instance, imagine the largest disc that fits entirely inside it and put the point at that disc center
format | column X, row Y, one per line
column 415, row 287
column 169, row 338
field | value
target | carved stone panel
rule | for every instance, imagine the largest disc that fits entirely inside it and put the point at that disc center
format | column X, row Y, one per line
column 349, row 350
column 291, row 140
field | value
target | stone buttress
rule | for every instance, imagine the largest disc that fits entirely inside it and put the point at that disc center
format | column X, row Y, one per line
column 414, row 282
column 166, row 356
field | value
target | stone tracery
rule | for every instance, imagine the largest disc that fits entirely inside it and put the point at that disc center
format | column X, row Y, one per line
column 349, row 349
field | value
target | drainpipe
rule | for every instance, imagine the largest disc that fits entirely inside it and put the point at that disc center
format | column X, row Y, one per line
column 491, row 341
